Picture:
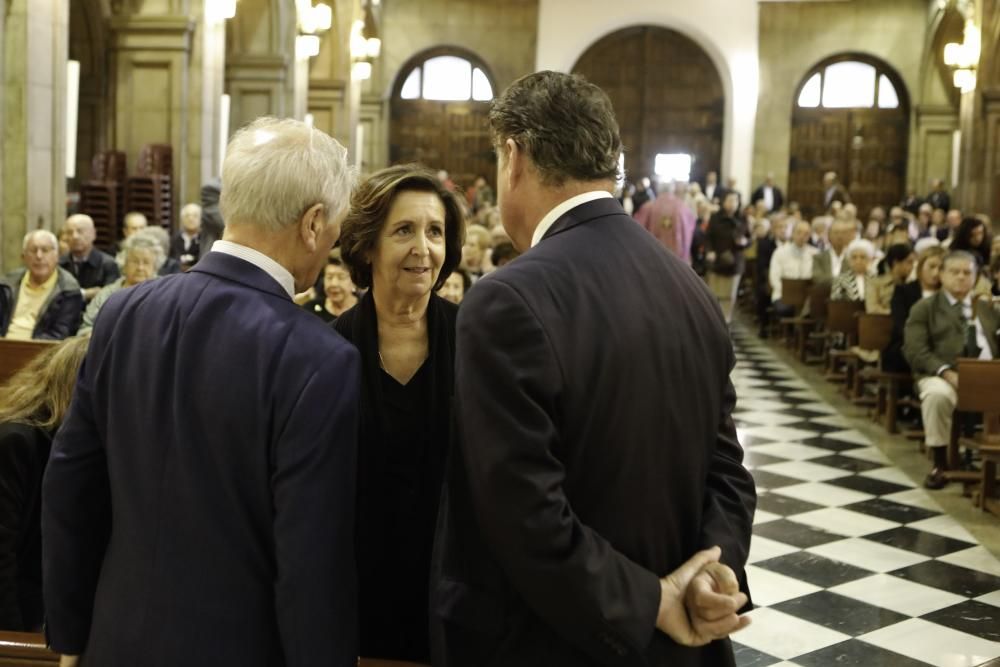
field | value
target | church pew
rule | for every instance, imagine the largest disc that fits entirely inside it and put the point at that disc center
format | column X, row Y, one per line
column 977, row 383
column 15, row 355
column 22, row 649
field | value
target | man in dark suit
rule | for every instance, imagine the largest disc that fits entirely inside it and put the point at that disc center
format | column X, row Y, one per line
column 91, row 267
column 940, row 329
column 198, row 506
column 770, row 194
column 713, row 190
column 583, row 471
column 939, row 197
column 833, row 191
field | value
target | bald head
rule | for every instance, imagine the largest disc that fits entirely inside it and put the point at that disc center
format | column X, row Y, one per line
column 801, row 233
column 191, row 219
column 81, row 233
column 842, row 232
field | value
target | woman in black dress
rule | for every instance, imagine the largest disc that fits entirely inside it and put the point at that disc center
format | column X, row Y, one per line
column 402, row 238
column 32, row 405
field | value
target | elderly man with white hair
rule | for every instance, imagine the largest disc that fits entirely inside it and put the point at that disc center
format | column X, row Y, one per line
column 92, row 268
column 186, row 245
column 41, row 300
column 198, row 506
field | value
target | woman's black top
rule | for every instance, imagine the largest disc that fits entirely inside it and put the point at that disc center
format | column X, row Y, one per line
column 403, row 442
column 24, row 451
column 318, row 307
column 904, row 297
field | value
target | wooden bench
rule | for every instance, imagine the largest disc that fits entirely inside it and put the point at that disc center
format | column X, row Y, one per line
column 794, row 293
column 21, row 649
column 977, row 392
column 15, row 355
column 842, row 318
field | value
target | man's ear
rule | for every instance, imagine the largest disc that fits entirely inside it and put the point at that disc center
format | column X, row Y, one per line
column 311, row 225
column 514, row 164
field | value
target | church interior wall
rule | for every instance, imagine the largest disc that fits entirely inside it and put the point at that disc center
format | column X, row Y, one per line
column 794, row 37
column 731, row 43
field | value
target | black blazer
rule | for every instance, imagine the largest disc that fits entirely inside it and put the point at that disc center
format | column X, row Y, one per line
column 199, row 501
column 98, row 270
column 904, row 297
column 24, row 451
column 595, row 453
column 776, row 194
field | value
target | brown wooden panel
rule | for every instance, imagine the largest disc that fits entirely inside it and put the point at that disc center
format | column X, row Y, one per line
column 866, row 147
column 666, row 93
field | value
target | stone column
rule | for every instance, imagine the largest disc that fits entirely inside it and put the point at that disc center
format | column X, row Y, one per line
column 260, row 61
column 36, row 34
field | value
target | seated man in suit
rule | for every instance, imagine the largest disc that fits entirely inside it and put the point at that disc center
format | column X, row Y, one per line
column 91, row 267
column 582, row 473
column 827, row 264
column 793, row 261
column 42, row 300
column 203, row 514
column 186, row 245
column 941, row 329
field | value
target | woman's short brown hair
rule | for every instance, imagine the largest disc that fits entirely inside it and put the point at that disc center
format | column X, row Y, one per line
column 370, row 207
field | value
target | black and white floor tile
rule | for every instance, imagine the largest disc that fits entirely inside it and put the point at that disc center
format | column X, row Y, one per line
column 851, row 563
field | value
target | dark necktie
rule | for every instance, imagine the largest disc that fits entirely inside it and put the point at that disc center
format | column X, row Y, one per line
column 972, row 349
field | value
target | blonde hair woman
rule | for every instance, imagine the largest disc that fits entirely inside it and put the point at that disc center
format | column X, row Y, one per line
column 32, row 405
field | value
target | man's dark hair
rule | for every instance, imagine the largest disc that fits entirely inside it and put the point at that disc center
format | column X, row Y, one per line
column 564, row 123
column 897, row 253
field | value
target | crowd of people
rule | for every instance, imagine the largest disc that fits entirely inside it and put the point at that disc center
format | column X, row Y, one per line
column 915, row 263
column 299, row 448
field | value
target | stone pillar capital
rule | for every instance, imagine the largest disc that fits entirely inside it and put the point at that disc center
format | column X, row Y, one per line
column 152, row 33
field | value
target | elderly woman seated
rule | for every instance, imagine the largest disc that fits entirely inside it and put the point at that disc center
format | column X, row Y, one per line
column 850, row 284
column 143, row 258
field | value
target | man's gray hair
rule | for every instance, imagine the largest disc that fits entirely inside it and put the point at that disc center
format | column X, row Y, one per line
column 45, row 234
column 141, row 241
column 276, row 169
column 961, row 256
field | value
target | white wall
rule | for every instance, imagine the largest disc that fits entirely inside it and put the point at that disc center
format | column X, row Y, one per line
column 726, row 29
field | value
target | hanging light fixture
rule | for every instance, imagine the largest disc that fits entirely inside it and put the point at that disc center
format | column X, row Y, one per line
column 964, row 57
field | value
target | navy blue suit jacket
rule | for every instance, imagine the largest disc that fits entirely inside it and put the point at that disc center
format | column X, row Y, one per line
column 595, row 453
column 198, row 507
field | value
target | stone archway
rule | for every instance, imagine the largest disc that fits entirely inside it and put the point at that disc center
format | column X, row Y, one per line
column 667, row 94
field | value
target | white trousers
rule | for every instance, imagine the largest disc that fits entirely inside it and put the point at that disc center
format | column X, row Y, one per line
column 937, row 404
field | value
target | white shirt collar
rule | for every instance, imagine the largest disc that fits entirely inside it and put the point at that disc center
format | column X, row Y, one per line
column 261, row 261
column 966, row 302
column 563, row 208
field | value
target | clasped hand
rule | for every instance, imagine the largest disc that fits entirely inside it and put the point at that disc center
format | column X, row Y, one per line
column 699, row 601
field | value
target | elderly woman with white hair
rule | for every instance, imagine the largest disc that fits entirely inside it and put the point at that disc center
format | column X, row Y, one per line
column 143, row 258
column 850, row 284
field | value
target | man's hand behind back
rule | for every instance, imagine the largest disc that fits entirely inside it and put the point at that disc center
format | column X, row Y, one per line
column 699, row 601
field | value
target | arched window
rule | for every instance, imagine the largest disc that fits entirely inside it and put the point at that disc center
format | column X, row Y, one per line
column 850, row 116
column 439, row 114
column 447, row 78
column 848, row 84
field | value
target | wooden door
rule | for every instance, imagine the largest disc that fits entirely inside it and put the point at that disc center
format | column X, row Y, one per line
column 443, row 135
column 866, row 147
column 667, row 96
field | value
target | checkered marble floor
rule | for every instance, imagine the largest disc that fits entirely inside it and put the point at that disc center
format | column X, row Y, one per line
column 851, row 563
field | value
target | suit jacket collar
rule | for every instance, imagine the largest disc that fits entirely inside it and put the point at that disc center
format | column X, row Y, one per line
column 598, row 208
column 241, row 271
